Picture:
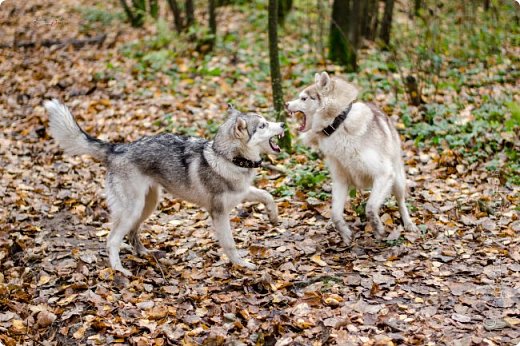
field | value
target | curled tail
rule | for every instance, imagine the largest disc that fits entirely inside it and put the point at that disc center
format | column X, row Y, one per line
column 72, row 139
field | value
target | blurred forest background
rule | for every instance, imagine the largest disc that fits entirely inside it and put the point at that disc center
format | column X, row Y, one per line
column 428, row 58
column 447, row 72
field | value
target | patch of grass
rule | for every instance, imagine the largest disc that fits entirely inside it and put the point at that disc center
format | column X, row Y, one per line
column 490, row 129
column 98, row 17
column 396, row 242
column 304, row 178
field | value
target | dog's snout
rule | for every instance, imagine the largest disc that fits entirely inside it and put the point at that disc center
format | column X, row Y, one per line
column 287, row 105
column 282, row 125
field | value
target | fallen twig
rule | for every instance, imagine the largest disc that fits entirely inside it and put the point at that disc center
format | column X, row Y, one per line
column 77, row 43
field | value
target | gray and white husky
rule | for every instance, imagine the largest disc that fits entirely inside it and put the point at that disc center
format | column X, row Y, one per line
column 360, row 144
column 216, row 175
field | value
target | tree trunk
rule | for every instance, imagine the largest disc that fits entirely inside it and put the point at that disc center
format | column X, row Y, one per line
column 139, row 11
column 341, row 49
column 370, row 14
column 284, row 7
column 386, row 24
column 190, row 13
column 417, row 7
column 177, row 16
column 276, row 78
column 355, row 20
column 134, row 13
column 374, row 25
column 154, row 9
column 212, row 22
column 487, row 4
column 414, row 93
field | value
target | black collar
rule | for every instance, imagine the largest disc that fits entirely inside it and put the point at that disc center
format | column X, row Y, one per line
column 337, row 121
column 245, row 163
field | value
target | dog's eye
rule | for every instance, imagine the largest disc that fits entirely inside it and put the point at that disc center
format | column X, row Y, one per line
column 312, row 98
column 262, row 126
column 304, row 98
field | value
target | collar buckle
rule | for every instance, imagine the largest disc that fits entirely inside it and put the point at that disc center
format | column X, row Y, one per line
column 245, row 163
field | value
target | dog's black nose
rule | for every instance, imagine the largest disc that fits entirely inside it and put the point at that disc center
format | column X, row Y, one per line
column 282, row 125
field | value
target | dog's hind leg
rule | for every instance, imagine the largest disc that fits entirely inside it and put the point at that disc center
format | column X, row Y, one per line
column 399, row 190
column 262, row 196
column 339, row 198
column 126, row 205
column 225, row 238
column 380, row 190
column 151, row 200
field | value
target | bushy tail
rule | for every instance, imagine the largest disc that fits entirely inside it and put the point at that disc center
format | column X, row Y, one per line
column 72, row 139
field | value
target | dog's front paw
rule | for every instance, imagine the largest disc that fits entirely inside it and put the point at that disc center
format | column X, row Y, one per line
column 245, row 264
column 272, row 213
column 346, row 234
column 411, row 227
column 273, row 218
column 380, row 233
column 124, row 271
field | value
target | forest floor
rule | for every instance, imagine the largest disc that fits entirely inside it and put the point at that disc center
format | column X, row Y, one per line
column 455, row 283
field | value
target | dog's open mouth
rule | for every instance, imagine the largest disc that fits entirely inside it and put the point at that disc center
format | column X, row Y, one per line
column 300, row 116
column 274, row 146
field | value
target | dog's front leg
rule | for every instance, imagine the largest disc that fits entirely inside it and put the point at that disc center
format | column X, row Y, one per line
column 262, row 196
column 225, row 239
column 339, row 197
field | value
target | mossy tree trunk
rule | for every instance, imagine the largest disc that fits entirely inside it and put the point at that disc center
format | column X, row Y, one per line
column 284, row 7
column 212, row 22
column 386, row 23
column 276, row 78
column 154, row 9
column 370, row 18
column 417, row 7
column 341, row 48
column 135, row 13
column 177, row 15
column 190, row 13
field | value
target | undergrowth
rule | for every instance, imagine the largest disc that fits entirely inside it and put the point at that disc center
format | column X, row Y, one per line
column 454, row 53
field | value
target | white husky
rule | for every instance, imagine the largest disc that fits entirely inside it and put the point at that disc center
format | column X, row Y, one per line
column 361, row 147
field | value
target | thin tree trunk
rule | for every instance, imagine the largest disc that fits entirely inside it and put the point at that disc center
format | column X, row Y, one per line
column 139, row 11
column 128, row 12
column 321, row 31
column 365, row 23
column 284, row 7
column 177, row 16
column 355, row 20
column 417, row 7
column 487, row 4
column 212, row 22
column 374, row 25
column 154, row 9
column 190, row 13
column 276, row 78
column 386, row 24
column 341, row 49
column 371, row 11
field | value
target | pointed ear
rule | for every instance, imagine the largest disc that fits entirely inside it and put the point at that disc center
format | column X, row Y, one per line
column 232, row 110
column 316, row 78
column 323, row 80
column 240, row 128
